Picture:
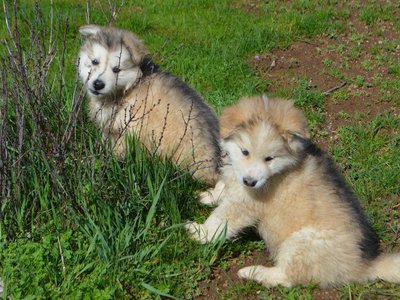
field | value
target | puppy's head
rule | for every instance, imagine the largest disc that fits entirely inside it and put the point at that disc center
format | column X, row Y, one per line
column 262, row 138
column 109, row 61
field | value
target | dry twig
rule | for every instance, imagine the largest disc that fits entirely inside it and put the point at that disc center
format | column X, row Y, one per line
column 331, row 90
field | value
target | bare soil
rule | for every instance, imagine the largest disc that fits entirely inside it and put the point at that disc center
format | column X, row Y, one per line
column 222, row 281
column 348, row 63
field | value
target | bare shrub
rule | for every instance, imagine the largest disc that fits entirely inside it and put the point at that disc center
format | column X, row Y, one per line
column 36, row 123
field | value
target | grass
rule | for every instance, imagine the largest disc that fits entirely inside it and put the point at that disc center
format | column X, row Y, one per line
column 78, row 223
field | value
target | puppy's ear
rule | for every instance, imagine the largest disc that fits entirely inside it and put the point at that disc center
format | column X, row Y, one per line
column 223, row 146
column 135, row 46
column 89, row 30
column 226, row 148
column 295, row 141
column 230, row 121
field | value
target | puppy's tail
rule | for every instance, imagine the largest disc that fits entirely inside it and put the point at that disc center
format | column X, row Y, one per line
column 385, row 267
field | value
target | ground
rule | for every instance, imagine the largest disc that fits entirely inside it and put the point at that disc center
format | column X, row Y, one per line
column 354, row 70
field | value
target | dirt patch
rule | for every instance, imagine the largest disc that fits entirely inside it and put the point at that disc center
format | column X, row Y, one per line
column 327, row 294
column 303, row 59
column 221, row 281
column 352, row 68
column 250, row 6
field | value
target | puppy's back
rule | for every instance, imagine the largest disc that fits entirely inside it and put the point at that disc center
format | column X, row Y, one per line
column 328, row 171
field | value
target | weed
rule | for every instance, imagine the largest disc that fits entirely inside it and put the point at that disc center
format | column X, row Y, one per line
column 340, row 48
column 355, row 52
column 343, row 115
column 327, row 62
column 372, row 14
column 341, row 95
column 359, row 80
column 394, row 69
column 368, row 65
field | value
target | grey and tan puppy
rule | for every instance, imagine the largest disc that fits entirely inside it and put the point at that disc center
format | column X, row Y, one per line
column 129, row 94
column 275, row 179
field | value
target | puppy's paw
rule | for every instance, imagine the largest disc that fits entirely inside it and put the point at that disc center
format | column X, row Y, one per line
column 214, row 195
column 197, row 232
column 207, row 198
column 248, row 272
column 266, row 276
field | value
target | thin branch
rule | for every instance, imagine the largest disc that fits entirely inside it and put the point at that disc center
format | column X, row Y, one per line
column 331, row 90
column 87, row 11
column 61, row 255
column 51, row 27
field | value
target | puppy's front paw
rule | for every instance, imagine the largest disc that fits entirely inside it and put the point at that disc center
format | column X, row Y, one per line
column 197, row 232
column 207, row 198
column 214, row 195
column 247, row 272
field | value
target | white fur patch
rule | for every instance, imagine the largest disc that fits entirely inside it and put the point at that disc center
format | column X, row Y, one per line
column 98, row 64
column 256, row 156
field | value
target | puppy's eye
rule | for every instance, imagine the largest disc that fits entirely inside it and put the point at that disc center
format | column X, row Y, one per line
column 245, row 152
column 269, row 158
column 116, row 69
column 95, row 62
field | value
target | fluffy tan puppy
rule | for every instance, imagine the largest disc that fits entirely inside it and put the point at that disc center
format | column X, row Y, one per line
column 273, row 178
column 129, row 94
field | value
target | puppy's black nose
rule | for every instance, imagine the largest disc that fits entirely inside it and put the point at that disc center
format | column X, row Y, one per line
column 98, row 84
column 249, row 181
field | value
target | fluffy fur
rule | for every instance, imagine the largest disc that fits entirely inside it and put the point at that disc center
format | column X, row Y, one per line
column 128, row 93
column 276, row 180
